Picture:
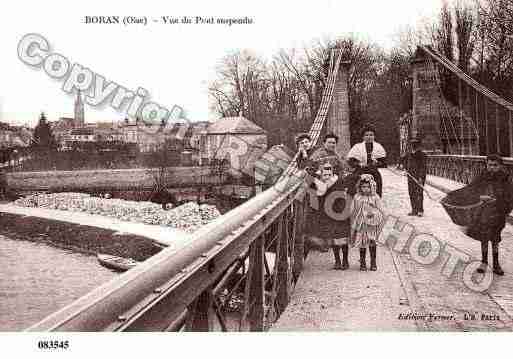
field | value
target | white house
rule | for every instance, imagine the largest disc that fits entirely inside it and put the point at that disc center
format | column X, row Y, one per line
column 237, row 140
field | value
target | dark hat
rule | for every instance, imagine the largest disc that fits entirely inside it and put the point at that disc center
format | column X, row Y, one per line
column 302, row 136
column 368, row 128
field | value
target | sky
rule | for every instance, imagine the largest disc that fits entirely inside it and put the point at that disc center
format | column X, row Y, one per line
column 173, row 62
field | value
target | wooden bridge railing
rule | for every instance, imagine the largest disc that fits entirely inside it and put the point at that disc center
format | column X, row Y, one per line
column 460, row 168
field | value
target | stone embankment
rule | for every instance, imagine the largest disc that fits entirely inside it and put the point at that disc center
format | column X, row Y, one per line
column 187, row 217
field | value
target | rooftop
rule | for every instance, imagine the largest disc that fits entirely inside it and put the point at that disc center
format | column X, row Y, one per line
column 234, row 125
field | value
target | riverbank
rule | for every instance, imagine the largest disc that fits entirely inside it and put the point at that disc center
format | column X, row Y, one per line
column 160, row 235
column 77, row 237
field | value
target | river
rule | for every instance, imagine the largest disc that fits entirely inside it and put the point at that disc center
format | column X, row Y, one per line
column 36, row 280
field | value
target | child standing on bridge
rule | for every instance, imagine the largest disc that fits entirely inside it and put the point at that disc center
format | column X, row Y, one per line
column 349, row 186
column 495, row 187
column 367, row 218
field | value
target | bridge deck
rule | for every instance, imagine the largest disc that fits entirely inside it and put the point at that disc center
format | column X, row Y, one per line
column 325, row 299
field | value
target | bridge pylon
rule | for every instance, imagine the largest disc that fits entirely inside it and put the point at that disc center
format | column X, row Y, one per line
column 338, row 115
column 426, row 103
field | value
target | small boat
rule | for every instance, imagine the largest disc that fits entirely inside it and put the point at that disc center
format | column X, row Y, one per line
column 115, row 262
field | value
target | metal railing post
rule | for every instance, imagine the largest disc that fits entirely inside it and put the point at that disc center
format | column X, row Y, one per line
column 254, row 295
column 478, row 126
column 298, row 237
column 486, row 126
column 510, row 135
column 470, row 126
column 497, row 130
column 462, row 142
column 282, row 266
column 199, row 318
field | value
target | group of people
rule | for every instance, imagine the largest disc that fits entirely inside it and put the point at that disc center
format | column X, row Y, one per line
column 344, row 208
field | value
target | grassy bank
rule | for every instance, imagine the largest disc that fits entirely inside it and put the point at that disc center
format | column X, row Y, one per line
column 85, row 239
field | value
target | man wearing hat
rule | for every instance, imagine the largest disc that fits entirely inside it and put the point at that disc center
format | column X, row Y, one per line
column 416, row 168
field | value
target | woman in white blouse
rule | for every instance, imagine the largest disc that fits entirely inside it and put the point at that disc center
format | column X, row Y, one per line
column 371, row 156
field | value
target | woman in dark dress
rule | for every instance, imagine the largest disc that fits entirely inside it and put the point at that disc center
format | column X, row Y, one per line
column 371, row 156
column 333, row 214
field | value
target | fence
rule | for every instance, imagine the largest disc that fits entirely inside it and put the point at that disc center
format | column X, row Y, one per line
column 460, row 168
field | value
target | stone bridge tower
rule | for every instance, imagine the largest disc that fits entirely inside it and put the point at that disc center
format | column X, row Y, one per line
column 426, row 102
column 338, row 114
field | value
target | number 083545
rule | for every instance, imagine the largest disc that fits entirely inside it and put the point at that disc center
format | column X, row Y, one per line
column 53, row 344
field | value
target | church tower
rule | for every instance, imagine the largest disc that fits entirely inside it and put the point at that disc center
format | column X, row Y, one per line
column 79, row 110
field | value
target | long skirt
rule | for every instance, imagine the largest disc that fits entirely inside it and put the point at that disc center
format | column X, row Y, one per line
column 488, row 225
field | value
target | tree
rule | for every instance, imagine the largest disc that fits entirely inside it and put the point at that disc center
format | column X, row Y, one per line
column 283, row 95
column 495, row 28
column 442, row 33
column 481, row 34
column 465, row 18
column 160, row 176
column 43, row 139
column 265, row 93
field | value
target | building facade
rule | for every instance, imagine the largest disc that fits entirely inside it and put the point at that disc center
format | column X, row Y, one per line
column 14, row 136
column 236, row 140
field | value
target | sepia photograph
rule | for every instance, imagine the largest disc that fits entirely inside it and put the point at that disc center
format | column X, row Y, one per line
column 281, row 167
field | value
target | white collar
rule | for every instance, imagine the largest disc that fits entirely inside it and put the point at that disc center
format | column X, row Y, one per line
column 322, row 186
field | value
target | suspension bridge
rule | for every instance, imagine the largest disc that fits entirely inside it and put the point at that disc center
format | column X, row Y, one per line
column 255, row 252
